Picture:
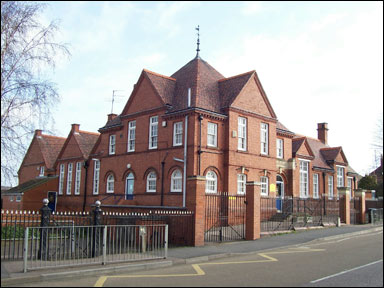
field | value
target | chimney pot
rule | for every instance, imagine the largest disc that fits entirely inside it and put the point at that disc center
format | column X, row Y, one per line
column 38, row 132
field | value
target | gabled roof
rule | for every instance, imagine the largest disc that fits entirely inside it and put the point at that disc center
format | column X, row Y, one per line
column 297, row 143
column 210, row 90
column 49, row 146
column 86, row 141
column 324, row 155
column 231, row 87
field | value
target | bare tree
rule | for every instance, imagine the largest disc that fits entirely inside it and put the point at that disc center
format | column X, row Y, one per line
column 377, row 143
column 28, row 48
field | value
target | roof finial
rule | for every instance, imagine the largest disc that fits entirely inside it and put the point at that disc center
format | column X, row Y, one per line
column 198, row 40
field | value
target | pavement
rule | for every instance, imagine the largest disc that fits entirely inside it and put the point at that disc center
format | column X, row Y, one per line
column 12, row 271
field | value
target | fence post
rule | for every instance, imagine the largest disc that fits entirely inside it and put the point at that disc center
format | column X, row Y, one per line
column 361, row 194
column 25, row 255
column 345, row 205
column 196, row 202
column 45, row 219
column 253, row 198
column 96, row 229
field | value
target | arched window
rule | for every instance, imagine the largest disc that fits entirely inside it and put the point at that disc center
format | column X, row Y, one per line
column 110, row 184
column 176, row 181
column 151, row 182
column 211, row 182
column 129, row 186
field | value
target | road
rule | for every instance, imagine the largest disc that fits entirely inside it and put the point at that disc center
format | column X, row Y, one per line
column 340, row 261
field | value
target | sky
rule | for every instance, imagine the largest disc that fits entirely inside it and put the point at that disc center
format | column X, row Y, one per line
column 317, row 61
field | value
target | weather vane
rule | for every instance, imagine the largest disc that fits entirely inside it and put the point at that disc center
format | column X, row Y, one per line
column 198, row 40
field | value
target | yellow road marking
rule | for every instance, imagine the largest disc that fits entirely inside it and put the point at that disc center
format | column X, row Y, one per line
column 200, row 272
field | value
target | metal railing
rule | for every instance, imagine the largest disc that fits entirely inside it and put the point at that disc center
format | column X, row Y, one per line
column 376, row 216
column 48, row 247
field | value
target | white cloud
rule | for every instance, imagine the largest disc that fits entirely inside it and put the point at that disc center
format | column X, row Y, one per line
column 328, row 72
column 251, row 8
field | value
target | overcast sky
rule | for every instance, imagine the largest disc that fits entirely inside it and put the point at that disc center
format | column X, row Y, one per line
column 317, row 61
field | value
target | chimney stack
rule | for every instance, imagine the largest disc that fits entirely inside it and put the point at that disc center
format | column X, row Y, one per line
column 322, row 132
column 111, row 116
column 38, row 132
column 75, row 128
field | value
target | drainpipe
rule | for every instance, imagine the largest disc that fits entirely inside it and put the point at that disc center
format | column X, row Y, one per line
column 86, row 165
column 199, row 152
column 162, row 180
column 186, row 149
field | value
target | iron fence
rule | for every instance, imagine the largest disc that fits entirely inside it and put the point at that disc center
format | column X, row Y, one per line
column 48, row 247
column 376, row 216
column 224, row 217
column 291, row 212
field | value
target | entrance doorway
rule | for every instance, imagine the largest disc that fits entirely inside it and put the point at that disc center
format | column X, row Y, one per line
column 279, row 192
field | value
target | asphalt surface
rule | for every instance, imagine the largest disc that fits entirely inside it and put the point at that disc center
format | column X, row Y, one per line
column 11, row 272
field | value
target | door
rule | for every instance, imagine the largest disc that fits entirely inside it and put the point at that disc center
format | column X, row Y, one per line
column 279, row 192
column 129, row 186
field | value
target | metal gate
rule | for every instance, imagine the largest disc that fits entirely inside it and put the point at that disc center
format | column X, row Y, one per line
column 354, row 208
column 224, row 217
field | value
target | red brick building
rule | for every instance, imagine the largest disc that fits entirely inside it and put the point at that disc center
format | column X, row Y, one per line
column 71, row 168
column 40, row 157
column 194, row 122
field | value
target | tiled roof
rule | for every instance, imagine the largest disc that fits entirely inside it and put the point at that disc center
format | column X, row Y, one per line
column 86, row 141
column 164, row 86
column 231, row 87
column 203, row 79
column 50, row 147
column 210, row 90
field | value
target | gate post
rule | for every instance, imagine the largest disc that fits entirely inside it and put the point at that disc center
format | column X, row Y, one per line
column 344, row 205
column 45, row 218
column 361, row 194
column 253, row 219
column 196, row 202
column 96, row 240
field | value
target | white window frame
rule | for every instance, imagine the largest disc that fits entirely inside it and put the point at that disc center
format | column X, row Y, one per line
column 330, row 187
column 112, row 144
column 131, row 136
column 340, row 176
column 110, row 184
column 18, row 198
column 178, row 134
column 264, row 135
column 241, row 181
column 177, row 181
column 130, row 177
column 61, row 179
column 69, row 178
column 316, row 186
column 96, row 177
column 41, row 171
column 264, row 186
column 151, row 182
column 242, row 134
column 211, row 182
column 212, row 134
column 304, row 178
column 279, row 148
column 77, row 178
column 153, row 132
